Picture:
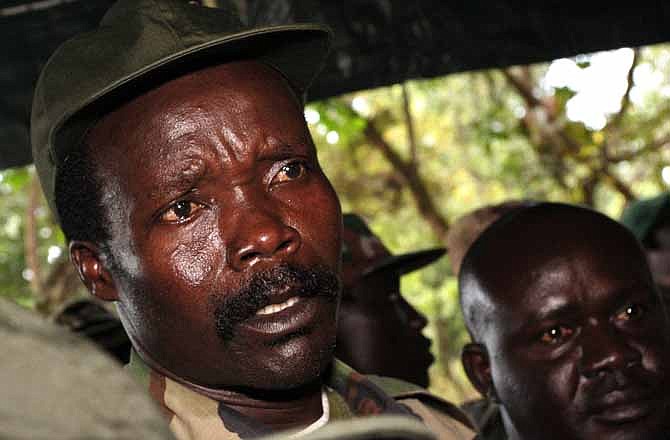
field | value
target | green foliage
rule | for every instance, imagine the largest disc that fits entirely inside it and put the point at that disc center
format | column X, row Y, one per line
column 12, row 261
column 15, row 185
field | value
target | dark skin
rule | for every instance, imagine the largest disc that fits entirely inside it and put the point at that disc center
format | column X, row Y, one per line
column 569, row 333
column 380, row 333
column 210, row 179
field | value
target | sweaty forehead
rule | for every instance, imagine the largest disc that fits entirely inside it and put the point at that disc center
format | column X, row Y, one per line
column 236, row 111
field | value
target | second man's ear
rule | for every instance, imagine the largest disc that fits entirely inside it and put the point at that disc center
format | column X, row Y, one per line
column 477, row 367
column 93, row 273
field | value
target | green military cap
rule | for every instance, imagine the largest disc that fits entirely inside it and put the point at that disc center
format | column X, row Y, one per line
column 137, row 45
column 364, row 254
column 642, row 216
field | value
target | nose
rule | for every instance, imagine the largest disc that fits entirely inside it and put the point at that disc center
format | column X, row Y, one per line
column 604, row 350
column 416, row 320
column 262, row 236
column 412, row 317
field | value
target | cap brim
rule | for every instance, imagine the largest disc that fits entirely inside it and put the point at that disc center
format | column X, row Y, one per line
column 406, row 263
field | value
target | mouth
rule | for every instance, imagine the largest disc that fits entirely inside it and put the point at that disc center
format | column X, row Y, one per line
column 619, row 407
column 625, row 413
column 279, row 301
column 276, row 308
column 287, row 314
column 424, row 344
column 430, row 359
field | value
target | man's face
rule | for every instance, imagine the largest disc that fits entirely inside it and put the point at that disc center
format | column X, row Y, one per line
column 225, row 231
column 576, row 346
column 380, row 333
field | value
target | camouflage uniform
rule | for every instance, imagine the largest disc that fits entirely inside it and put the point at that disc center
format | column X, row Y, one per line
column 194, row 416
column 485, row 416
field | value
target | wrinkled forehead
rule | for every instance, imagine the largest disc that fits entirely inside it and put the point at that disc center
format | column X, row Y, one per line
column 238, row 108
column 231, row 91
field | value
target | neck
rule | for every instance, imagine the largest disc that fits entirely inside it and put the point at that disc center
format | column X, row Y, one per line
column 277, row 409
column 510, row 429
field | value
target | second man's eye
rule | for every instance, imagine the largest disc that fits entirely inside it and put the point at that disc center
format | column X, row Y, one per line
column 290, row 171
column 180, row 211
column 630, row 312
column 556, row 335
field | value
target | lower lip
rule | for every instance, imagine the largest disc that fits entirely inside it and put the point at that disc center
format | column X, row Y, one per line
column 292, row 319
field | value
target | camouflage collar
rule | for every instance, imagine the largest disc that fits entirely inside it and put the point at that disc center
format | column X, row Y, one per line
column 194, row 416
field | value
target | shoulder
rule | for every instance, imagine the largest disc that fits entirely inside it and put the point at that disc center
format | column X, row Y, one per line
column 443, row 417
column 486, row 417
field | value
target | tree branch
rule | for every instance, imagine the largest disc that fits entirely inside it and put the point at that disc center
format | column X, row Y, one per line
column 30, row 243
column 619, row 185
column 553, row 141
column 409, row 123
column 523, row 87
column 424, row 201
column 651, row 146
column 625, row 99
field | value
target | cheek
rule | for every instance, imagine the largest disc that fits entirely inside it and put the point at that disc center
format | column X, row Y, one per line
column 194, row 261
column 549, row 385
column 655, row 358
column 323, row 222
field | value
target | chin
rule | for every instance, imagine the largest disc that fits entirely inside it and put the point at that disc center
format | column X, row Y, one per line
column 652, row 427
column 422, row 381
column 293, row 366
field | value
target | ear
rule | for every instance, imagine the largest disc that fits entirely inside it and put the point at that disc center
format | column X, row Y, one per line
column 477, row 367
column 93, row 273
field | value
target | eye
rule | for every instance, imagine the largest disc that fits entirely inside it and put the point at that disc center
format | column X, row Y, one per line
column 631, row 312
column 290, row 171
column 556, row 335
column 180, row 211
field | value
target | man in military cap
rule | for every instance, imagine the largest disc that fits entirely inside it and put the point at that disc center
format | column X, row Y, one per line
column 376, row 326
column 171, row 143
column 568, row 333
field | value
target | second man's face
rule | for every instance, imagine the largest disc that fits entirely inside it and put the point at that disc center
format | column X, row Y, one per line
column 226, row 233
column 580, row 349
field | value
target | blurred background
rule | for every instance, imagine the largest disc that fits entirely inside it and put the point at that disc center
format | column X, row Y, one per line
column 416, row 149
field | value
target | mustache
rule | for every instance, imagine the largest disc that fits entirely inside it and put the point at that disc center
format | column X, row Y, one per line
column 634, row 383
column 234, row 308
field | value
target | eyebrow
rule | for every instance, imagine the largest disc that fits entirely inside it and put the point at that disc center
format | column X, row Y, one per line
column 557, row 310
column 189, row 173
column 623, row 294
column 552, row 309
column 279, row 147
